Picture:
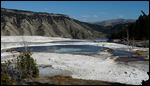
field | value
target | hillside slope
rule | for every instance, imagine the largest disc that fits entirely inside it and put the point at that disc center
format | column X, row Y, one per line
column 18, row 22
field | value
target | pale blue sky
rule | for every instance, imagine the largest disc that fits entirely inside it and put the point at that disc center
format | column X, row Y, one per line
column 90, row 11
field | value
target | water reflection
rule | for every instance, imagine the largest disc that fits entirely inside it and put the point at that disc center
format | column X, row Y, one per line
column 80, row 49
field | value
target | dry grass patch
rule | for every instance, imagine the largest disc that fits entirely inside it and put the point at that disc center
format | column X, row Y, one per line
column 68, row 80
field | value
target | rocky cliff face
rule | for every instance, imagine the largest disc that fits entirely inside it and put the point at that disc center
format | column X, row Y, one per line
column 18, row 22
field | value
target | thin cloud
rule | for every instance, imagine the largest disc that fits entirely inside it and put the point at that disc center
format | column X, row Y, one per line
column 102, row 13
column 75, row 18
column 120, row 16
column 85, row 16
column 95, row 16
column 45, row 9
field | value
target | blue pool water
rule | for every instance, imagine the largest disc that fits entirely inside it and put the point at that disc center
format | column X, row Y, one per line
column 130, row 59
column 75, row 49
column 122, row 53
column 79, row 49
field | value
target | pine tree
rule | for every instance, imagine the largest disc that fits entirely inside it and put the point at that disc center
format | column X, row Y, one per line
column 25, row 67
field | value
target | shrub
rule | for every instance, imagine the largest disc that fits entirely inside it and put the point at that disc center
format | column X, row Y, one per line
column 25, row 67
column 6, row 80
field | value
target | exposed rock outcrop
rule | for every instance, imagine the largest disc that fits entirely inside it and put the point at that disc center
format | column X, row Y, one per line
column 18, row 22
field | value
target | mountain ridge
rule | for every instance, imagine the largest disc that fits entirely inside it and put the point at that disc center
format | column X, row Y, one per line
column 113, row 22
column 18, row 22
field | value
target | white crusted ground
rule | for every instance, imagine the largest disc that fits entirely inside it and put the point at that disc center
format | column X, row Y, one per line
column 99, row 67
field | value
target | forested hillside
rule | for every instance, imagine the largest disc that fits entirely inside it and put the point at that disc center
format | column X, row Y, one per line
column 138, row 30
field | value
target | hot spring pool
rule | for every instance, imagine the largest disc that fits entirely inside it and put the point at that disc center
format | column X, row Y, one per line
column 79, row 49
column 74, row 49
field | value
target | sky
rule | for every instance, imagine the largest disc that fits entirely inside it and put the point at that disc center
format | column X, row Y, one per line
column 88, row 11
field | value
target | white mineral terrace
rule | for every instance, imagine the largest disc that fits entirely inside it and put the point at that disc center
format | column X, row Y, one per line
column 98, row 67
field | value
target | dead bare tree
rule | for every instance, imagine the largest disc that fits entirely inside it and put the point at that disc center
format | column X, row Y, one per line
column 126, row 39
column 24, row 44
column 133, row 42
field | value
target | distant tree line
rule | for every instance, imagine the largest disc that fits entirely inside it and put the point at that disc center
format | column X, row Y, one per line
column 138, row 30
